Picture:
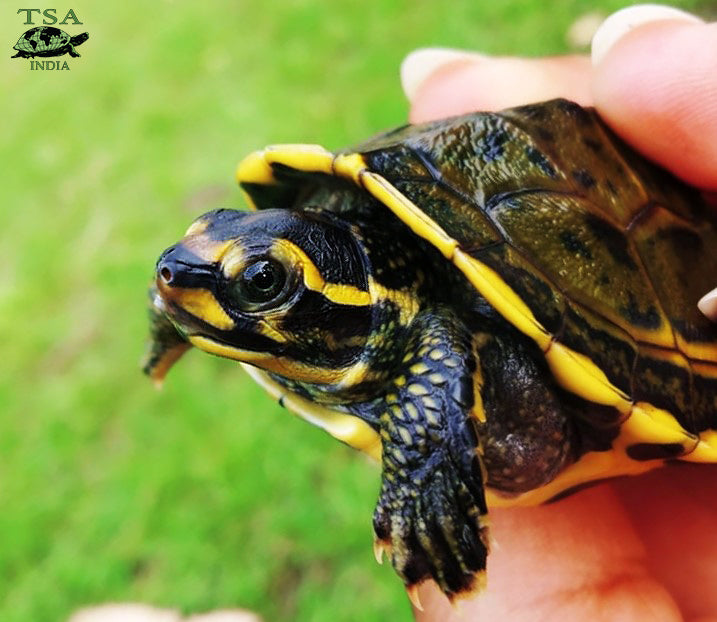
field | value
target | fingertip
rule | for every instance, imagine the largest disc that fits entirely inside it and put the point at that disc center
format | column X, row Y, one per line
column 623, row 21
column 420, row 64
column 470, row 84
column 657, row 87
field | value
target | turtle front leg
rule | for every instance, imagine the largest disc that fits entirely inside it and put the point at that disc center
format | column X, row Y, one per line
column 430, row 516
column 72, row 52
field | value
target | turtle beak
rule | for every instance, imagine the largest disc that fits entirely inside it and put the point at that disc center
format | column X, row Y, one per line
column 186, row 284
column 179, row 267
column 178, row 289
column 182, row 305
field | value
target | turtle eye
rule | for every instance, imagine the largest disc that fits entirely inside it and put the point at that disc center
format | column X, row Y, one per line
column 260, row 283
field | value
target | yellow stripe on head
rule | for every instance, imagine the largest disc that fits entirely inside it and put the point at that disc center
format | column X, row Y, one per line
column 198, row 227
column 233, row 261
column 201, row 303
column 283, row 366
column 203, row 246
column 339, row 293
column 229, row 352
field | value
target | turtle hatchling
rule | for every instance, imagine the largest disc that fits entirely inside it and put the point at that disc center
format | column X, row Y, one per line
column 47, row 41
column 498, row 307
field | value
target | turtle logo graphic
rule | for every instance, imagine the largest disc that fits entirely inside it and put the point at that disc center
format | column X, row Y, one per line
column 47, row 41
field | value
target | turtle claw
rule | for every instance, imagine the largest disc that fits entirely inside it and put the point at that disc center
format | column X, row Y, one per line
column 379, row 548
column 412, row 593
column 434, row 531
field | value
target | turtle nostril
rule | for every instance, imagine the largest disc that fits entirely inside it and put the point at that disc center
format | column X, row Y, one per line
column 166, row 274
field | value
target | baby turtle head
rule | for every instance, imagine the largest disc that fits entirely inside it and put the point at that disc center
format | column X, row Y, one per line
column 282, row 290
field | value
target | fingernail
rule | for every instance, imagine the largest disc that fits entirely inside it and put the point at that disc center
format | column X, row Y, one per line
column 623, row 21
column 421, row 63
column 708, row 305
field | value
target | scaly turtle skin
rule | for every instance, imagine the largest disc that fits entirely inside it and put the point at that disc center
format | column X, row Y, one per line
column 499, row 307
column 47, row 41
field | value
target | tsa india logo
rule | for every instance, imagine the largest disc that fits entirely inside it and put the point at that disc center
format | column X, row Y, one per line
column 47, row 41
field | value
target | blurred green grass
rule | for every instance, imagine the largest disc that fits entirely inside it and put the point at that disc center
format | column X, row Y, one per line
column 206, row 494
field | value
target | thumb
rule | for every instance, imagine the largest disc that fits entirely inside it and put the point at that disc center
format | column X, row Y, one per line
column 656, row 85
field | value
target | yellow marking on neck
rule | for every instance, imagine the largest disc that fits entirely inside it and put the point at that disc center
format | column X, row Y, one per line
column 347, row 342
column 227, row 351
column 201, row 303
column 346, row 428
column 405, row 300
column 478, row 411
column 266, row 329
column 357, row 373
column 335, row 292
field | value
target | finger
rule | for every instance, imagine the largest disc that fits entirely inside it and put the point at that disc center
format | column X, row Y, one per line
column 579, row 558
column 446, row 85
column 657, row 87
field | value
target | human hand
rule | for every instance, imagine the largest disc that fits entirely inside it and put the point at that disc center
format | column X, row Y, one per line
column 641, row 548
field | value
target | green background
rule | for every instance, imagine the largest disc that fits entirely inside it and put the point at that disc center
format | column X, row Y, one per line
column 205, row 494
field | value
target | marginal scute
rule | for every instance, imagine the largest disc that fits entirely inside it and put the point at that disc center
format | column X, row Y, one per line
column 679, row 255
column 706, row 449
column 655, row 451
column 704, row 378
column 662, row 378
column 547, row 305
column 578, row 374
column 611, row 348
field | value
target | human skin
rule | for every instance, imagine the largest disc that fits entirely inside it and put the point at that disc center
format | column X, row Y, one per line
column 639, row 548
